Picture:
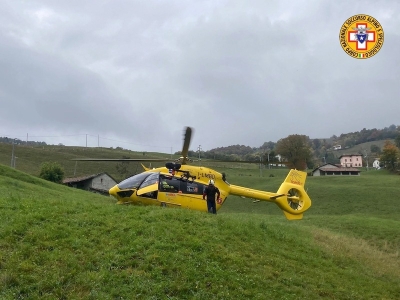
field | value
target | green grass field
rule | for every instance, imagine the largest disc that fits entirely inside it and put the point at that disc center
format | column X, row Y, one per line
column 62, row 243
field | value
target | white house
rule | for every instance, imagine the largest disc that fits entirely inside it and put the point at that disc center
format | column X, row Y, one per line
column 376, row 164
column 279, row 159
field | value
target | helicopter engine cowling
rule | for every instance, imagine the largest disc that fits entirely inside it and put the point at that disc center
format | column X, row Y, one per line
column 172, row 166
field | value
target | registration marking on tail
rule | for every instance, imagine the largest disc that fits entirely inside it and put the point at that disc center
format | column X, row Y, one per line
column 295, row 178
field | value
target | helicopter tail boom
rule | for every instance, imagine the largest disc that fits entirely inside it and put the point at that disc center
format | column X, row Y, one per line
column 291, row 196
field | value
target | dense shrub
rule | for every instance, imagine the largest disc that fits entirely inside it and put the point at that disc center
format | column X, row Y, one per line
column 52, row 171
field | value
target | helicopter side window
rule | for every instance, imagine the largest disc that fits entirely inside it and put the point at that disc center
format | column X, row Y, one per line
column 133, row 182
column 169, row 184
column 150, row 180
column 193, row 188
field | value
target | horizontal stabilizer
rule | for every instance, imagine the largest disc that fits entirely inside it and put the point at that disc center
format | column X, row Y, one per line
column 277, row 196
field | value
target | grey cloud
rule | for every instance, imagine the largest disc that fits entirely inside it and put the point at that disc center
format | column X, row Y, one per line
column 240, row 72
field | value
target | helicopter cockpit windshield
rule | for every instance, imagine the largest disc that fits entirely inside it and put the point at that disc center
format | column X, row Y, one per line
column 152, row 179
column 135, row 181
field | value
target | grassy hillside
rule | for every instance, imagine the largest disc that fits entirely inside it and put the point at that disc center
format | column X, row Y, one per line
column 62, row 243
column 361, row 148
column 30, row 159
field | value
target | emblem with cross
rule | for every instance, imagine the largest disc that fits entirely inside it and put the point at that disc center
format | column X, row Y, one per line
column 361, row 36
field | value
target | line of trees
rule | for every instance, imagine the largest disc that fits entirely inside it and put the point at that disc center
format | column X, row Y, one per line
column 367, row 135
column 7, row 140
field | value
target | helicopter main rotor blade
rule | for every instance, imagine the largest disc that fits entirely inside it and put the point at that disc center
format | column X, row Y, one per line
column 246, row 161
column 186, row 143
column 122, row 159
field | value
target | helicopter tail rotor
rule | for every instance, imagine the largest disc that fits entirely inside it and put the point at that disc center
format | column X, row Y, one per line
column 291, row 197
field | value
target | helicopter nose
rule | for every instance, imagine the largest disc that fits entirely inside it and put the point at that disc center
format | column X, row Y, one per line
column 113, row 191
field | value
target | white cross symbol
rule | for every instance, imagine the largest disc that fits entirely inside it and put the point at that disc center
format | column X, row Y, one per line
column 352, row 37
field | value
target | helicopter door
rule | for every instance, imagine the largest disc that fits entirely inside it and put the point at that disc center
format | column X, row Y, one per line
column 169, row 190
column 148, row 191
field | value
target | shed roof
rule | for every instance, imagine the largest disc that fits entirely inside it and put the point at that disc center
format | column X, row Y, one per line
column 343, row 169
column 335, row 168
column 84, row 178
column 347, row 155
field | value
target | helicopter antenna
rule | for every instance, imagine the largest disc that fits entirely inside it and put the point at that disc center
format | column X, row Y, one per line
column 366, row 158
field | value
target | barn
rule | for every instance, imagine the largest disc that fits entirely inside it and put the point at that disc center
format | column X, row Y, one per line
column 99, row 183
column 332, row 169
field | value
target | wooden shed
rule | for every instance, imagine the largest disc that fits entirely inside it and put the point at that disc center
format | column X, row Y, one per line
column 332, row 169
column 99, row 183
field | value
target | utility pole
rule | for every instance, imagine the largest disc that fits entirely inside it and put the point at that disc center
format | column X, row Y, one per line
column 260, row 165
column 86, row 140
column 98, row 141
column 12, row 154
column 199, row 149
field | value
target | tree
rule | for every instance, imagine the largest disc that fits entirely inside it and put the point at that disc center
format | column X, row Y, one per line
column 296, row 150
column 52, row 171
column 375, row 149
column 268, row 145
column 397, row 140
column 349, row 143
column 389, row 157
column 316, row 144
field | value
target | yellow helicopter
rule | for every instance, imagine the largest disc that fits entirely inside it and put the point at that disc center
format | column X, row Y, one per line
column 179, row 184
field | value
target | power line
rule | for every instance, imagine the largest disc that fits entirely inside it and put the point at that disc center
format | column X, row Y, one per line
column 43, row 136
column 104, row 138
column 84, row 134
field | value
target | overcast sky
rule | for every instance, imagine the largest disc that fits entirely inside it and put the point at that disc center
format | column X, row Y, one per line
column 238, row 72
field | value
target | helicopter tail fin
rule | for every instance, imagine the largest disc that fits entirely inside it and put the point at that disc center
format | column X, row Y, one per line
column 146, row 169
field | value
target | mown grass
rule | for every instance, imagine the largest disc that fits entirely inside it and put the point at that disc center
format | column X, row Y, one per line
column 61, row 243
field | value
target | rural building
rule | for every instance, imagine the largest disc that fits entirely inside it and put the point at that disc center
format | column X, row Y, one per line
column 351, row 160
column 332, row 169
column 99, row 183
column 279, row 159
column 376, row 164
